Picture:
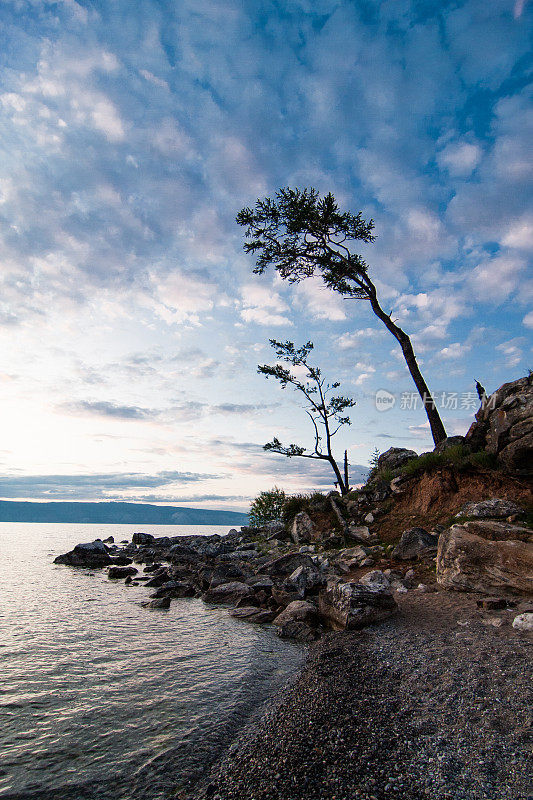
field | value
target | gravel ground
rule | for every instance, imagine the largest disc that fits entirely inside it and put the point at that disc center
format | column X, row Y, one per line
column 434, row 703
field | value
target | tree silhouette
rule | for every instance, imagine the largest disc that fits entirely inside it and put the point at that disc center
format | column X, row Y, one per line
column 325, row 411
column 300, row 233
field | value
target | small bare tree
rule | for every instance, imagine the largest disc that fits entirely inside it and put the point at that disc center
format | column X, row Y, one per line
column 325, row 411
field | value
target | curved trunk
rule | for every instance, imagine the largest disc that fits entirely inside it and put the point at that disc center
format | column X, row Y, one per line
column 437, row 428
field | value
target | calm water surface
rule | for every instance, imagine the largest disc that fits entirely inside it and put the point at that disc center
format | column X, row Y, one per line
column 103, row 699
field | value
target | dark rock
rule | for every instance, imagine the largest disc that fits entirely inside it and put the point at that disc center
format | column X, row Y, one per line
column 353, row 605
column 228, row 592
column 142, row 538
column 90, row 554
column 175, row 589
column 121, row 561
column 299, row 631
column 395, row 457
column 160, row 602
column 109, row 540
column 450, row 441
column 298, row 611
column 283, row 598
column 415, row 543
column 260, row 583
column 121, row 572
column 504, row 425
column 285, row 565
column 304, row 580
column 494, row 603
column 252, row 614
column 161, row 577
column 152, row 567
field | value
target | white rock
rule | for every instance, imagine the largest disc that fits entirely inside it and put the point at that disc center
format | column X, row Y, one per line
column 496, row 622
column 369, row 517
column 523, row 622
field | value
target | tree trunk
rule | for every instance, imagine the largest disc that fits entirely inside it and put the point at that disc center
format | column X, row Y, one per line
column 342, row 488
column 437, row 428
column 346, row 473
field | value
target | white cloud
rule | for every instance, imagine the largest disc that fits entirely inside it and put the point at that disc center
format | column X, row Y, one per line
column 455, row 350
column 149, row 76
column 351, row 341
column 263, row 306
column 460, row 159
column 528, row 320
column 319, row 301
column 511, row 351
column 182, row 297
column 520, row 233
column 495, row 279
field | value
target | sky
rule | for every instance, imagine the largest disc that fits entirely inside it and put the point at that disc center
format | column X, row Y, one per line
column 131, row 323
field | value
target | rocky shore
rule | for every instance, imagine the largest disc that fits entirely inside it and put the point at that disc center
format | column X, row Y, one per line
column 433, row 703
column 419, row 586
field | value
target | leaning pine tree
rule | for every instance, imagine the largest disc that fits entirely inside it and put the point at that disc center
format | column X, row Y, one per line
column 300, row 234
column 325, row 411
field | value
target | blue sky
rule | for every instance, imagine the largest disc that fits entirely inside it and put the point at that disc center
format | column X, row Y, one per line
column 130, row 321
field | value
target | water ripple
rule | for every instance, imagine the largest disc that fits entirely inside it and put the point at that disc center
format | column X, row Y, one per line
column 94, row 685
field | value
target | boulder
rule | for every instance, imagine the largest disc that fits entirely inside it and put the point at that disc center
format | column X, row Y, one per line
column 490, row 509
column 160, row 577
column 450, row 441
column 285, row 565
column 354, row 605
column 260, row 583
column 523, row 622
column 415, row 543
column 470, row 563
column 227, row 592
column 497, row 530
column 358, row 533
column 239, row 555
column 175, row 589
column 304, row 580
column 395, row 457
column 88, row 554
column 161, row 602
column 504, row 425
column 121, row 572
column 252, row 614
column 376, row 578
column 302, row 528
column 223, row 573
column 298, row 611
column 142, row 538
column 299, row 631
column 109, row 540
column 283, row 598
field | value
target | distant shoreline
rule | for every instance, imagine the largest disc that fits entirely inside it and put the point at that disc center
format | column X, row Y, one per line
column 115, row 513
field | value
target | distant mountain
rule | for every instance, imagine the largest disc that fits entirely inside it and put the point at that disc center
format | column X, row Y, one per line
column 117, row 513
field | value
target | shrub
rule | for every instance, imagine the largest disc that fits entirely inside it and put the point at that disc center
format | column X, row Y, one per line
column 295, row 503
column 267, row 507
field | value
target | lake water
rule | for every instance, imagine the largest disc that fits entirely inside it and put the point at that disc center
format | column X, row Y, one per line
column 103, row 699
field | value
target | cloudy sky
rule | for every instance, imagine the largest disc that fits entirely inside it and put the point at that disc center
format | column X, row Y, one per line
column 130, row 321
